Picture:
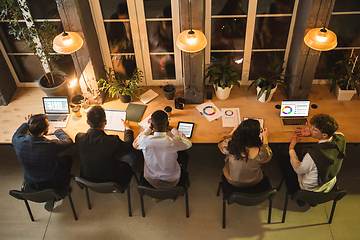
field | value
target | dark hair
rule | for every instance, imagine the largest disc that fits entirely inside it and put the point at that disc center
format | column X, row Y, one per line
column 245, row 136
column 37, row 124
column 159, row 118
column 325, row 123
column 96, row 117
column 122, row 9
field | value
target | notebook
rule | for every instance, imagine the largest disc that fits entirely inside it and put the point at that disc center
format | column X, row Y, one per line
column 57, row 110
column 294, row 114
column 135, row 112
column 148, row 96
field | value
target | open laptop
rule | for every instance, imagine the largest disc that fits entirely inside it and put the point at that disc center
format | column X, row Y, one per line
column 294, row 114
column 57, row 110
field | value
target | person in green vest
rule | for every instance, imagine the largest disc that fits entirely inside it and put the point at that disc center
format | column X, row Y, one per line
column 317, row 170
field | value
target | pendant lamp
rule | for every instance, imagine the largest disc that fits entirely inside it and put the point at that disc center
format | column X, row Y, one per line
column 191, row 40
column 67, row 42
column 321, row 39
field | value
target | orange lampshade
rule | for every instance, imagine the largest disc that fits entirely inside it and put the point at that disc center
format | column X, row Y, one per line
column 191, row 41
column 321, row 39
column 67, row 42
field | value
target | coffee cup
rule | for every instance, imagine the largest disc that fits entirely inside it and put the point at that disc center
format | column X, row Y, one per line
column 76, row 110
column 168, row 110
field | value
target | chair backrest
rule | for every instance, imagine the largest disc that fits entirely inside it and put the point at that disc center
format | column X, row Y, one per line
column 318, row 197
column 38, row 196
column 105, row 187
column 247, row 199
column 161, row 193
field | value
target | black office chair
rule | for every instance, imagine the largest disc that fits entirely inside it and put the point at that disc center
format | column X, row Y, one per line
column 105, row 187
column 41, row 196
column 314, row 198
column 234, row 195
column 164, row 193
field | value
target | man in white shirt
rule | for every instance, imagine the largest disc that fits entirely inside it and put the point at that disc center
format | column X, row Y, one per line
column 321, row 163
column 161, row 146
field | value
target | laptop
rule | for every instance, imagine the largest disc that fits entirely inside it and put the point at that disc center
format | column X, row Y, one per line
column 57, row 110
column 294, row 114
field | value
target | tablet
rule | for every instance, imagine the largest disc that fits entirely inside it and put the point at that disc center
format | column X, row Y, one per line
column 186, row 127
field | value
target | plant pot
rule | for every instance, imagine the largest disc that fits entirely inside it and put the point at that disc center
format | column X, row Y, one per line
column 125, row 98
column 223, row 94
column 60, row 89
column 169, row 95
column 262, row 98
column 344, row 95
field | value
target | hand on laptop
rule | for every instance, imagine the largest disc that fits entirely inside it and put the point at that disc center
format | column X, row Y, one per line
column 303, row 132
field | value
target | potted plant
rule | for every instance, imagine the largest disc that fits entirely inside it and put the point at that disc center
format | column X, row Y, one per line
column 39, row 41
column 223, row 77
column 344, row 77
column 267, row 82
column 117, row 84
column 169, row 91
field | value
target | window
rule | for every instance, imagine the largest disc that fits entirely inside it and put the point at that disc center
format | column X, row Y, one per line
column 139, row 34
column 250, row 32
column 345, row 23
column 20, row 59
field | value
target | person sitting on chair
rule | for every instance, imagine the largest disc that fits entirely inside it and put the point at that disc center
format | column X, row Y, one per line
column 43, row 168
column 105, row 158
column 245, row 153
column 163, row 151
column 321, row 163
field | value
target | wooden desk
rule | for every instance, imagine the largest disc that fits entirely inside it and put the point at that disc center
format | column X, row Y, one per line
column 347, row 113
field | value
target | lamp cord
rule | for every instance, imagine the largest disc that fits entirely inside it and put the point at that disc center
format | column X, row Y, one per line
column 190, row 15
column 68, row 22
column 327, row 15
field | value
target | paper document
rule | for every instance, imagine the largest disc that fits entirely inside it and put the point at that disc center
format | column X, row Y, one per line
column 148, row 96
column 114, row 122
column 231, row 117
column 209, row 111
column 145, row 123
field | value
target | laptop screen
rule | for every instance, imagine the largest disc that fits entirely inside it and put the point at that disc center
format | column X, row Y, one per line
column 56, row 105
column 294, row 108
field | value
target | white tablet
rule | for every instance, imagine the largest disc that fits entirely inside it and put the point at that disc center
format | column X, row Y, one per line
column 186, row 127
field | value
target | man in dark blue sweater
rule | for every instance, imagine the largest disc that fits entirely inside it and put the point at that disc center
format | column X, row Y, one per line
column 43, row 168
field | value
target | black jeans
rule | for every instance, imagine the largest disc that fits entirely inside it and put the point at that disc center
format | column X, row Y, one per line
column 183, row 159
column 290, row 176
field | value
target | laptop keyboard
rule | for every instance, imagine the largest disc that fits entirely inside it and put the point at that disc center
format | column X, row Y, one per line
column 57, row 117
column 294, row 121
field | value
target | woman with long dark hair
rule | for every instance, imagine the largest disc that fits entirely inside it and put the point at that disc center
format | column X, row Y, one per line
column 245, row 153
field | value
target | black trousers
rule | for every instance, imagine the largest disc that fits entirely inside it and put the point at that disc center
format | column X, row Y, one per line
column 183, row 159
column 290, row 176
